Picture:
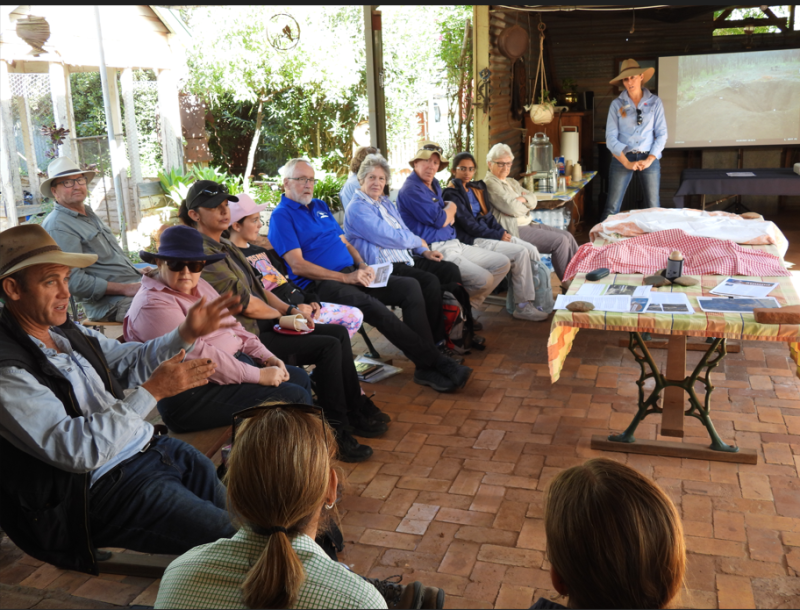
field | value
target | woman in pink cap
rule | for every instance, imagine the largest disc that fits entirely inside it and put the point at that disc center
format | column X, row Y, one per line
column 245, row 224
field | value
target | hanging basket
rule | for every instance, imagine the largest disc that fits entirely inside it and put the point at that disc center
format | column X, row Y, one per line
column 543, row 113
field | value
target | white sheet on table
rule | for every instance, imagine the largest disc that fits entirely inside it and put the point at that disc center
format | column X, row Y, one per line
column 701, row 224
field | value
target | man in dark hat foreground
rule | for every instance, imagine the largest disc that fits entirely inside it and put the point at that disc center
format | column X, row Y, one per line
column 79, row 467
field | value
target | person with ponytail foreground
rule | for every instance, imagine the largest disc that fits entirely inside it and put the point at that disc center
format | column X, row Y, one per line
column 614, row 539
column 282, row 488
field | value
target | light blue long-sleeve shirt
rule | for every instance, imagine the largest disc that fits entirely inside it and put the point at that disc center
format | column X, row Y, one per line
column 368, row 232
column 34, row 420
column 348, row 190
column 624, row 135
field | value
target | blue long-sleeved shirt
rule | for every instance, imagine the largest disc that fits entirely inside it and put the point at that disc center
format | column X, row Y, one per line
column 368, row 232
column 624, row 135
column 110, row 431
column 348, row 190
column 422, row 209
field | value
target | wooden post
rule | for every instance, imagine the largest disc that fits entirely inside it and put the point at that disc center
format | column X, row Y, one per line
column 60, row 91
column 132, row 140
column 480, row 59
column 30, row 149
column 119, row 161
column 9, row 162
column 169, row 109
column 674, row 397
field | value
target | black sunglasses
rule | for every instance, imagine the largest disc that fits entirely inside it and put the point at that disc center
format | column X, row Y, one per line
column 240, row 416
column 432, row 147
column 194, row 266
column 639, row 117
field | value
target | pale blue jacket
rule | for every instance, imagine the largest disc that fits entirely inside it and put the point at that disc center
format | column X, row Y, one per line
column 368, row 232
column 624, row 135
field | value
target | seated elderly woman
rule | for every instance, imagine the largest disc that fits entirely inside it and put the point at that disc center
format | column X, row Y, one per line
column 512, row 205
column 352, row 184
column 247, row 373
column 476, row 225
column 428, row 215
column 374, row 227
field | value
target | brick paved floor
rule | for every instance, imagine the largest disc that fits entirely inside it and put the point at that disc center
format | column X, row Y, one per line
column 453, row 495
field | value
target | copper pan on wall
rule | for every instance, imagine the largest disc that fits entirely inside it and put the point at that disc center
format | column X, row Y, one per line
column 513, row 42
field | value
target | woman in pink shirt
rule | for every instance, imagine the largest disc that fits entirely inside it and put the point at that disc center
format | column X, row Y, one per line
column 247, row 374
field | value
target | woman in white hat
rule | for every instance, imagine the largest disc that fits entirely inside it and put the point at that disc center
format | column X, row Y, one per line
column 636, row 133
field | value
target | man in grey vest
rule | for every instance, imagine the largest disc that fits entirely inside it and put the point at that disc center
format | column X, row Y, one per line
column 106, row 288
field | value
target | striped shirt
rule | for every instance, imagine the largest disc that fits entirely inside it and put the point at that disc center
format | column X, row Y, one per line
column 211, row 576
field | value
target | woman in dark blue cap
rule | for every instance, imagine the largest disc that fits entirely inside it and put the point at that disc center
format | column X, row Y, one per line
column 247, row 373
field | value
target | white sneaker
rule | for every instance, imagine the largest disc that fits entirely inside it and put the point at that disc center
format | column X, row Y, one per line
column 529, row 312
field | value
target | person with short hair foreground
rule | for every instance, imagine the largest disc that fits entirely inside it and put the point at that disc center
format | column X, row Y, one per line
column 80, row 468
column 614, row 539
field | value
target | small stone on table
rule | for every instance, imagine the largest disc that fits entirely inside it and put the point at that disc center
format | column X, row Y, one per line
column 580, row 306
column 686, row 280
column 656, row 280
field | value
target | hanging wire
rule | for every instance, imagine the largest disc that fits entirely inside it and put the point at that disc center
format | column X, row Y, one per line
column 550, row 8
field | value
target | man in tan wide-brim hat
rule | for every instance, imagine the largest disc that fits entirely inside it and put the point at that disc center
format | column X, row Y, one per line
column 66, row 421
column 105, row 289
column 630, row 67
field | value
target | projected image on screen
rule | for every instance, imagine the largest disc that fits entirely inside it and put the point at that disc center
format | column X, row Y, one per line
column 736, row 99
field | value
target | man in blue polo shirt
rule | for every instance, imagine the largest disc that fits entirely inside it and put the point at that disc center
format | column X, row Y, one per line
column 303, row 231
column 430, row 217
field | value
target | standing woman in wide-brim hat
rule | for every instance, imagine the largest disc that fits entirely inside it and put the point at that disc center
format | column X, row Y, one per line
column 636, row 133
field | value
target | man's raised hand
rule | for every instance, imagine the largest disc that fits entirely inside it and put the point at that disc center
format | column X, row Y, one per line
column 205, row 318
column 174, row 376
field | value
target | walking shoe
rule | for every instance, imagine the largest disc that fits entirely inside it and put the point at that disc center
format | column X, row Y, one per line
column 350, row 450
column 397, row 595
column 434, row 379
column 371, row 410
column 457, row 373
column 365, row 426
column 432, row 597
column 529, row 312
column 446, row 351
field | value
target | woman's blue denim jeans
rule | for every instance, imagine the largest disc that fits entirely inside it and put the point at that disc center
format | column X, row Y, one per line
column 619, row 178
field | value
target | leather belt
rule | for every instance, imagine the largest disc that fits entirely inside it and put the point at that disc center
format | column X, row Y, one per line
column 158, row 430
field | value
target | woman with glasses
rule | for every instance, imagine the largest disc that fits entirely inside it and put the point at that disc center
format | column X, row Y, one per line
column 636, row 133
column 512, row 205
column 247, row 373
column 282, row 489
column 327, row 347
column 476, row 225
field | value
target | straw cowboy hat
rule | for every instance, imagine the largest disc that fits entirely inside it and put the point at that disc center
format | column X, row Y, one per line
column 631, row 68
column 425, row 149
column 29, row 245
column 63, row 166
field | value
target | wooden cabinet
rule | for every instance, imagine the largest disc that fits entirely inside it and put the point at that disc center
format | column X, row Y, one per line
column 581, row 120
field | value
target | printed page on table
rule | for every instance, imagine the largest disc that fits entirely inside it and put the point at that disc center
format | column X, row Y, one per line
column 735, row 304
column 669, row 302
column 734, row 287
column 619, row 304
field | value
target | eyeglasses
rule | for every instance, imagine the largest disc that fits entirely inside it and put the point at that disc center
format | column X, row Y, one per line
column 68, row 184
column 303, row 180
column 240, row 416
column 639, row 117
column 432, row 147
column 194, row 266
column 463, row 168
column 498, row 164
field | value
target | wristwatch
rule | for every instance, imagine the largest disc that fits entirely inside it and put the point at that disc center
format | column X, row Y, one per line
column 289, row 310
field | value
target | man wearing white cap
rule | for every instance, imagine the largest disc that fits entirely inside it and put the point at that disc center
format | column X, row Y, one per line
column 105, row 289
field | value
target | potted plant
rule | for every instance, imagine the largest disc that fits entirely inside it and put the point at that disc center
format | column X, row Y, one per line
column 570, row 91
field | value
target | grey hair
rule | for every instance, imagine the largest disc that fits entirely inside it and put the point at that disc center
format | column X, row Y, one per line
column 497, row 151
column 288, row 169
column 369, row 163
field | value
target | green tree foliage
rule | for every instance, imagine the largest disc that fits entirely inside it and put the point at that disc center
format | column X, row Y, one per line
column 747, row 13
column 311, row 96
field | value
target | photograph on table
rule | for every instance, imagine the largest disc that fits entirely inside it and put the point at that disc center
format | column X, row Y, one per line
column 735, row 304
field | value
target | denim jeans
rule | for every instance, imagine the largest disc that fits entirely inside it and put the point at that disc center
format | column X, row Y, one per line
column 213, row 405
column 619, row 178
column 165, row 500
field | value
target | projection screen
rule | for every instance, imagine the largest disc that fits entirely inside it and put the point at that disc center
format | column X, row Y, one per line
column 731, row 99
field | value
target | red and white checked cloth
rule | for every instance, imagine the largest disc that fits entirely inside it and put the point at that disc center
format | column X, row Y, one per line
column 648, row 253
